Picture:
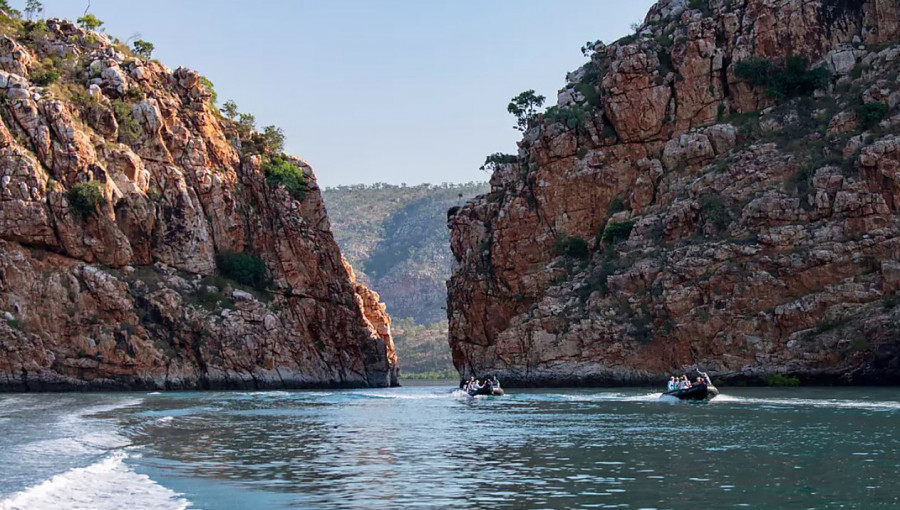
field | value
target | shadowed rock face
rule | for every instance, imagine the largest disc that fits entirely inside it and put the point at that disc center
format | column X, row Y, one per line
column 123, row 295
column 727, row 227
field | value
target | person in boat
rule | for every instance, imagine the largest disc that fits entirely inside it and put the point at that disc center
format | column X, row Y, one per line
column 706, row 379
column 687, row 382
column 700, row 382
column 671, row 386
column 496, row 383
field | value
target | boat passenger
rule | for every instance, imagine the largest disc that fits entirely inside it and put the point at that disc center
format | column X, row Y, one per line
column 496, row 383
column 706, row 378
column 671, row 384
column 700, row 382
column 687, row 382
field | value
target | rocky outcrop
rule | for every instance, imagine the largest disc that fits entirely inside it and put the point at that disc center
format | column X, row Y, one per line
column 120, row 186
column 672, row 213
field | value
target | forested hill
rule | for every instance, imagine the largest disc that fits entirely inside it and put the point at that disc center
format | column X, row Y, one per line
column 397, row 240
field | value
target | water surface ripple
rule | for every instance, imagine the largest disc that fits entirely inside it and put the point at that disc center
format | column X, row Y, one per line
column 422, row 447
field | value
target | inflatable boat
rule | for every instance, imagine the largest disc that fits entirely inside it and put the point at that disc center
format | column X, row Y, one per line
column 699, row 392
column 487, row 390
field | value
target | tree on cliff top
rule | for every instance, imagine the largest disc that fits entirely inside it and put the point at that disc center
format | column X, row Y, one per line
column 525, row 107
column 90, row 22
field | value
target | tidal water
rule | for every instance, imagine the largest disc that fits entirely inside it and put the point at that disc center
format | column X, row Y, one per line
column 424, row 447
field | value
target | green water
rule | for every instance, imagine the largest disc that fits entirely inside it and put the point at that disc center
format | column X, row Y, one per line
column 422, row 447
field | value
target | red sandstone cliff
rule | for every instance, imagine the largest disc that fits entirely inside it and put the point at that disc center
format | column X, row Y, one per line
column 726, row 225
column 125, row 294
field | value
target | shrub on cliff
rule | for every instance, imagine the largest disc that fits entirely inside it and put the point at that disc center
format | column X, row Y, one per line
column 870, row 114
column 243, row 268
column 617, row 232
column 573, row 117
column 84, row 197
column 280, row 171
column 496, row 160
column 129, row 127
column 793, row 79
column 571, row 246
column 714, row 210
column 45, row 76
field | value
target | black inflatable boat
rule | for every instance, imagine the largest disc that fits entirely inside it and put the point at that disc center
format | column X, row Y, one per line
column 699, row 392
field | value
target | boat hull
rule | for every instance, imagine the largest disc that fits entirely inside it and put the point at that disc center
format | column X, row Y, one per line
column 700, row 392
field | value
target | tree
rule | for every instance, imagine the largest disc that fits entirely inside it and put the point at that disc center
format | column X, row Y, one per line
column 230, row 109
column 208, row 85
column 274, row 139
column 246, row 123
column 524, row 107
column 143, row 48
column 496, row 160
column 90, row 22
column 33, row 9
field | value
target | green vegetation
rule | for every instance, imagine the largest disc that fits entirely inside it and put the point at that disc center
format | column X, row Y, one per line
column 781, row 380
column 15, row 324
column 208, row 85
column 243, row 268
column 281, row 171
column 525, row 107
column 143, row 48
column 870, row 114
column 617, row 232
column 496, row 160
column 891, row 302
column 571, row 246
column 33, row 9
column 794, row 79
column 230, row 109
column 616, row 205
column 273, row 139
column 44, row 76
column 397, row 240
column 574, row 117
column 246, row 123
column 89, row 22
column 129, row 127
column 423, row 349
column 714, row 210
column 84, row 197
column 700, row 5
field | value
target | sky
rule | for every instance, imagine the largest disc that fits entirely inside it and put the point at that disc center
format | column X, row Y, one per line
column 397, row 91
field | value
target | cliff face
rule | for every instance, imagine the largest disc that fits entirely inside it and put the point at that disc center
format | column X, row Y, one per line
column 680, row 209
column 119, row 186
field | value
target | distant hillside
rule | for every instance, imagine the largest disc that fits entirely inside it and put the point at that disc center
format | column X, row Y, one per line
column 397, row 240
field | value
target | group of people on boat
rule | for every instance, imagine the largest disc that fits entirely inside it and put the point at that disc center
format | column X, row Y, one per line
column 683, row 383
column 473, row 386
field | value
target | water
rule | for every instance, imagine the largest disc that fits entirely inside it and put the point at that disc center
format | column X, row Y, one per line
column 421, row 447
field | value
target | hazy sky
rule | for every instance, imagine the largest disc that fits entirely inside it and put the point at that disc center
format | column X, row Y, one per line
column 390, row 90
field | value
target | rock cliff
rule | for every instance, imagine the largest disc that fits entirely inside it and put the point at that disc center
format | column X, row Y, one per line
column 126, row 199
column 719, row 190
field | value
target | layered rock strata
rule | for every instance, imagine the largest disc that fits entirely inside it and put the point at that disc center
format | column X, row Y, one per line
column 672, row 212
column 124, row 292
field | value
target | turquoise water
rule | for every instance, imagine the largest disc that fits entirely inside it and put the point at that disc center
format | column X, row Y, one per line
column 423, row 447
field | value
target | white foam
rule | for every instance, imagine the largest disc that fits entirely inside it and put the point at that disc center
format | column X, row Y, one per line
column 103, row 485
column 873, row 405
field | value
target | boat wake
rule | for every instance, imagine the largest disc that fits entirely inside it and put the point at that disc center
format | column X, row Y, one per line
column 100, row 486
column 869, row 405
